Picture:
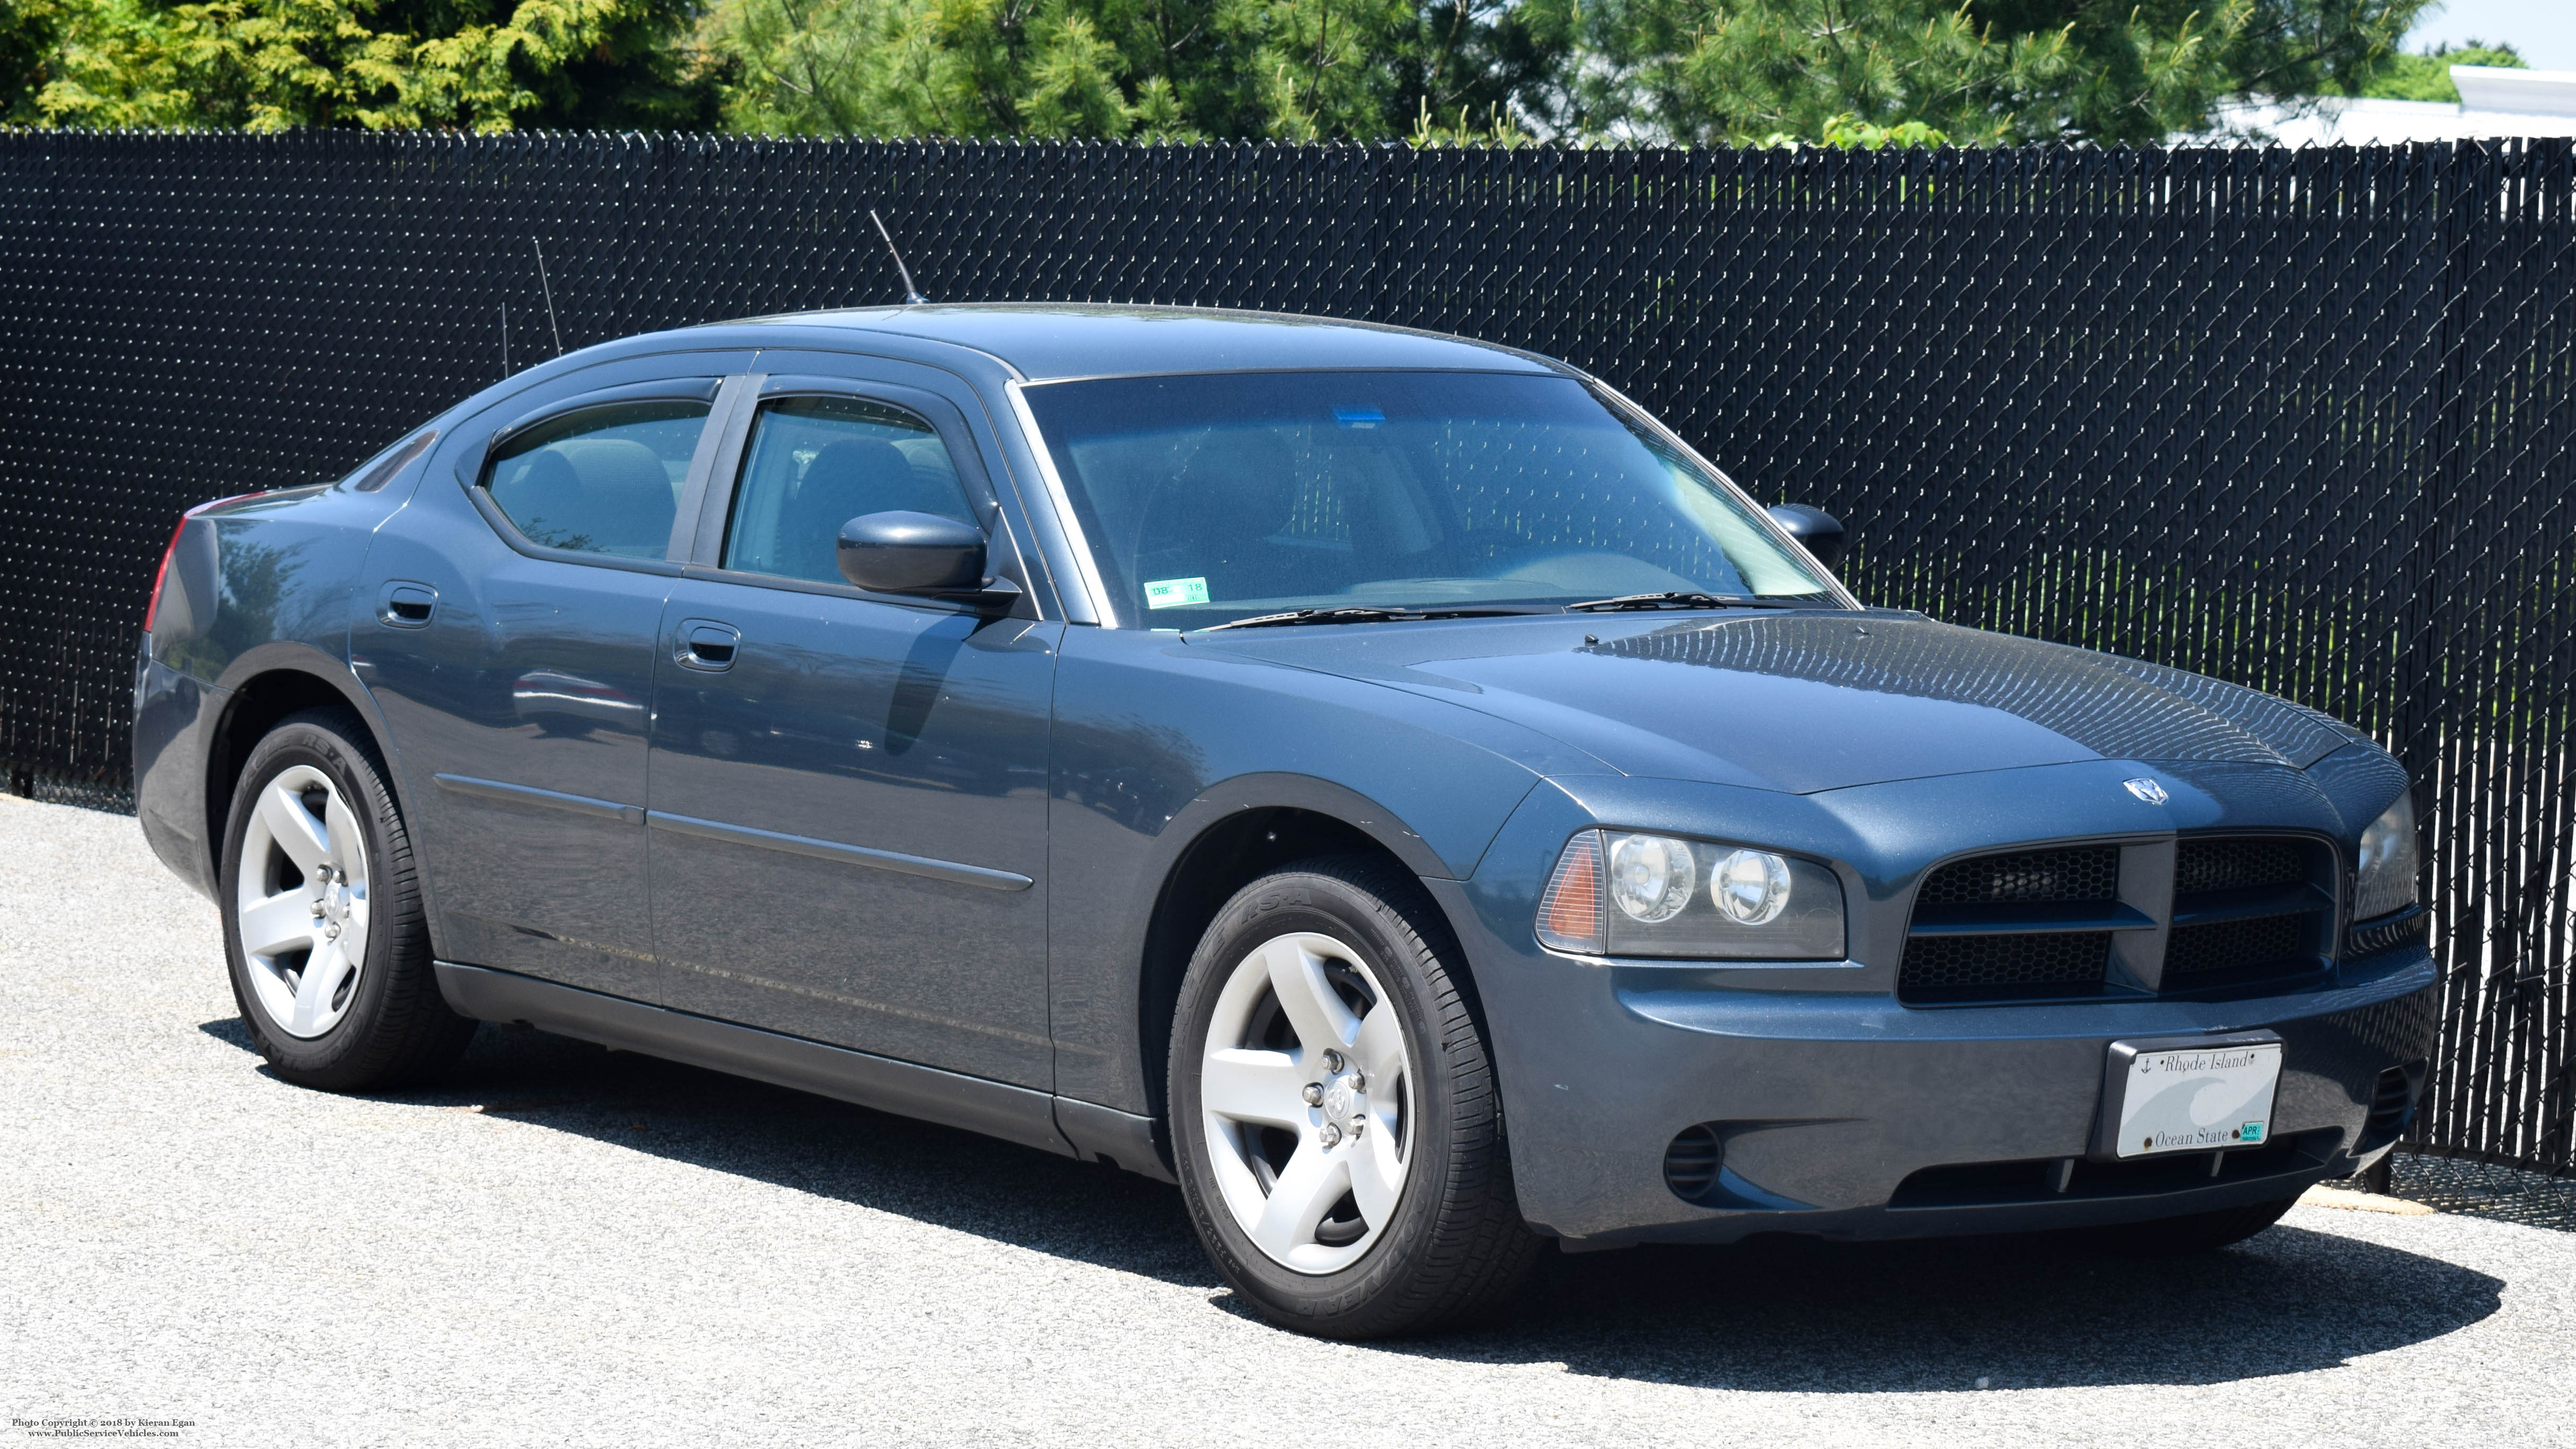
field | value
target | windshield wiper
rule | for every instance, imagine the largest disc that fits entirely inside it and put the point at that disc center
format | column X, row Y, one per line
column 1355, row 614
column 1684, row 600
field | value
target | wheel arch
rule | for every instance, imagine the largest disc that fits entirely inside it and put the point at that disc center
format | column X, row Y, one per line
column 268, row 685
column 1233, row 834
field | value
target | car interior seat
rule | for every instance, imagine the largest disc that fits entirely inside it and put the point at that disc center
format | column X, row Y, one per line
column 625, row 501
column 1214, row 516
column 603, row 495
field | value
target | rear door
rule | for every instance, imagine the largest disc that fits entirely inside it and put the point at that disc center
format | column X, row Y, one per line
column 849, row 790
column 510, row 640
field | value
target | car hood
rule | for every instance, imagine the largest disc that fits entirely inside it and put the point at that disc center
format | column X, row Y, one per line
column 1808, row 701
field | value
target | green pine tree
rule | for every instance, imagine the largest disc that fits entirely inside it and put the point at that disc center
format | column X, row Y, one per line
column 1997, row 72
column 274, row 64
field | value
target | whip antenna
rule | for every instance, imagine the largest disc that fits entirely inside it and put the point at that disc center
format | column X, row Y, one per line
column 551, row 324
column 911, row 294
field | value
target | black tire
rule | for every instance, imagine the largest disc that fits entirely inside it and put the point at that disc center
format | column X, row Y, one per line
column 397, row 1028
column 2192, row 1232
column 1454, row 1245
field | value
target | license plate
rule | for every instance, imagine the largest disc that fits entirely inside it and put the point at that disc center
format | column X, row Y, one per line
column 2194, row 1098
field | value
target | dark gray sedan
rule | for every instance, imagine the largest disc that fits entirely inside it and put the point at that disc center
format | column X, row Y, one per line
column 1387, row 784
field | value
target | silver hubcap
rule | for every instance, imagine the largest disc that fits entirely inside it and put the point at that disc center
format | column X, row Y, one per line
column 302, row 902
column 1306, row 1094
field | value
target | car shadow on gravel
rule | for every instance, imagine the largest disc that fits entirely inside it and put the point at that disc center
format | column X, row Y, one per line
column 940, row 1175
column 1774, row 1314
column 1797, row 1315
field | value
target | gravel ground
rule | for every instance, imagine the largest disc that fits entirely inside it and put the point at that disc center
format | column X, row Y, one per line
column 567, row 1247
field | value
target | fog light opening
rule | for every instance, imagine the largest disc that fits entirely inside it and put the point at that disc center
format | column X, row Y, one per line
column 1691, row 1163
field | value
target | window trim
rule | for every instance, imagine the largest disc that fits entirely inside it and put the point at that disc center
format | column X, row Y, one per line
column 706, row 553
column 474, row 464
column 701, row 388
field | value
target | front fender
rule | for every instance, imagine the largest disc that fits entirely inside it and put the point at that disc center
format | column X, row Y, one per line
column 1156, row 744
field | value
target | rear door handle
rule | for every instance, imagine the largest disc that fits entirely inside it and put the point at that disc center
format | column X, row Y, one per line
column 406, row 605
column 709, row 645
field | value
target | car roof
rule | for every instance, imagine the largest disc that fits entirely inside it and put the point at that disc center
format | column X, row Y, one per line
column 1046, row 341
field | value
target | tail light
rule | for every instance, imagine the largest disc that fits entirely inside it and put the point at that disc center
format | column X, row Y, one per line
column 161, row 575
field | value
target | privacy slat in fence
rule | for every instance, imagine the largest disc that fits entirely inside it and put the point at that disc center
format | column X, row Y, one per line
column 2305, row 420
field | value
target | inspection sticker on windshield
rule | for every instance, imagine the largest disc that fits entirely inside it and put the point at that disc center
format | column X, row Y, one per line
column 1172, row 593
column 2198, row 1098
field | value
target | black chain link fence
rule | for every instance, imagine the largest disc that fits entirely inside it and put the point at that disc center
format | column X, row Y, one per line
column 2305, row 420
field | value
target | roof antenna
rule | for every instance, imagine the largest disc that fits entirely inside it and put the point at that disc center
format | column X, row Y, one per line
column 550, row 298
column 911, row 295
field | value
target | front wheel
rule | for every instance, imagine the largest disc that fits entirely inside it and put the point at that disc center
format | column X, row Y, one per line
column 1334, row 1115
column 323, row 923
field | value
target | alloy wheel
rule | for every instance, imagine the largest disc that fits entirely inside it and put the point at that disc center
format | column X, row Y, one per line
column 1306, row 1091
column 302, row 902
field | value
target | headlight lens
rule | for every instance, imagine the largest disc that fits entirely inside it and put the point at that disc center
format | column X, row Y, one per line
column 1626, row 894
column 1751, row 887
column 2388, row 863
column 1651, row 876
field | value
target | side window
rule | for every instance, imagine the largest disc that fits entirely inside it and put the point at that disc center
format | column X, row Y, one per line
column 815, row 464
column 601, row 480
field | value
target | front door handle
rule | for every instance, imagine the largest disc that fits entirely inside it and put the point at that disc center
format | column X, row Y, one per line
column 709, row 645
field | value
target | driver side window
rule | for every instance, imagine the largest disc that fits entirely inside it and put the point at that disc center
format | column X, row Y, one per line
column 816, row 463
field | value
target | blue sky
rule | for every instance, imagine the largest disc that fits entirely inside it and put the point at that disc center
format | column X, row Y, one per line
column 2543, row 30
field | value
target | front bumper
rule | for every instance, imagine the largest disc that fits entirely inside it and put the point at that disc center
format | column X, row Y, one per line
column 1836, row 1111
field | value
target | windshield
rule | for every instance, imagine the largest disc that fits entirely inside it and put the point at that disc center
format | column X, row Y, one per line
column 1218, row 497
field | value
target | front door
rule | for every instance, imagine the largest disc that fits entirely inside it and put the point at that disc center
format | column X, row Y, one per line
column 848, row 791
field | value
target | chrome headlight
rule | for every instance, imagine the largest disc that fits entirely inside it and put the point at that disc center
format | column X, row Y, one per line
column 2386, row 880
column 1620, row 893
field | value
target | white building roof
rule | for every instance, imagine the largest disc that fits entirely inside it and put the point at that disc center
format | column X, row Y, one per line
column 2494, row 101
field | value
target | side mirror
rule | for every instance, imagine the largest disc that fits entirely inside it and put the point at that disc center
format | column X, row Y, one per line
column 1819, row 532
column 912, row 553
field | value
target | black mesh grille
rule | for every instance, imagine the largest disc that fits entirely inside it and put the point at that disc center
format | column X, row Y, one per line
column 2028, row 964
column 2089, row 873
column 2223, row 951
column 2226, row 865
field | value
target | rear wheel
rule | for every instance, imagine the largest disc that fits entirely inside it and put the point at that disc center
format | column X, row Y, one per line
column 1333, row 1110
column 2192, row 1232
column 328, row 944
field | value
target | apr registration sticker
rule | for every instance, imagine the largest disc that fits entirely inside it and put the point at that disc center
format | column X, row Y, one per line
column 1172, row 593
column 2197, row 1099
